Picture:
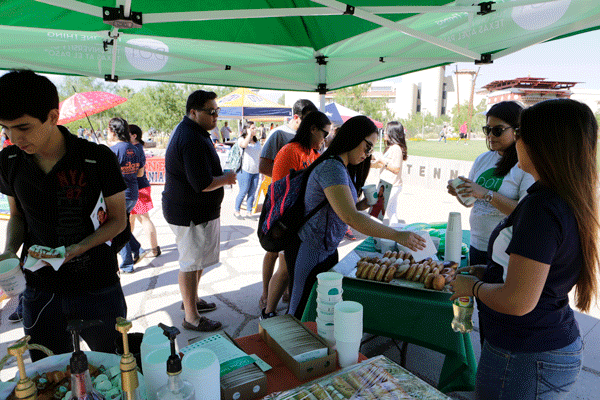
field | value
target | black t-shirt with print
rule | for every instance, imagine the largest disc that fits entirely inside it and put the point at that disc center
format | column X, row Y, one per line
column 58, row 206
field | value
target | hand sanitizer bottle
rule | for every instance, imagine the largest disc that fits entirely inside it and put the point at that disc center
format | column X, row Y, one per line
column 176, row 387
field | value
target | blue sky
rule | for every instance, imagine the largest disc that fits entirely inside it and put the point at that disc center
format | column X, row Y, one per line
column 573, row 59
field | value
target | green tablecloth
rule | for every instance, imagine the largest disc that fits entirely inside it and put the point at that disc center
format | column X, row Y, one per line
column 413, row 316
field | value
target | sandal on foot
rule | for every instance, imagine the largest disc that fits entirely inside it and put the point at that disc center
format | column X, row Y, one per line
column 156, row 251
column 204, row 325
column 202, row 306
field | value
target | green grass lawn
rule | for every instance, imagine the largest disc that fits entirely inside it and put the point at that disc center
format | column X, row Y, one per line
column 452, row 150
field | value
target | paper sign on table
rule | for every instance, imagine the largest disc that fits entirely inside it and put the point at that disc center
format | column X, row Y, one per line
column 428, row 251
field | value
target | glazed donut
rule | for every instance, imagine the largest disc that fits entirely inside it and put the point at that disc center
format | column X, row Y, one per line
column 381, row 273
column 439, row 282
column 417, row 275
column 400, row 270
column 429, row 280
column 389, row 274
column 365, row 270
column 426, row 271
column 37, row 251
column 373, row 272
column 400, row 255
column 395, row 254
column 388, row 254
column 410, row 273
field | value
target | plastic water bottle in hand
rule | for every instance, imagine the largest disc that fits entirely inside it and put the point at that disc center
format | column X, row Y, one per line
column 463, row 314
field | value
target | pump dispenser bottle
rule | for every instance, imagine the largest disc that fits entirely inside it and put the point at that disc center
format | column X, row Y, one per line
column 81, row 381
column 176, row 387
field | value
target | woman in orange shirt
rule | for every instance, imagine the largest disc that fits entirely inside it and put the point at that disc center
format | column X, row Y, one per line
column 298, row 154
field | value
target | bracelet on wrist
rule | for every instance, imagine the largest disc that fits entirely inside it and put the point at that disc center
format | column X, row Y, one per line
column 478, row 287
column 473, row 288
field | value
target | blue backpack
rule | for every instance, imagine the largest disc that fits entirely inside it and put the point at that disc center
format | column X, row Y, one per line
column 282, row 214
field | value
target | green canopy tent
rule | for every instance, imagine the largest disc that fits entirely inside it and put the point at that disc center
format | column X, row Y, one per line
column 298, row 45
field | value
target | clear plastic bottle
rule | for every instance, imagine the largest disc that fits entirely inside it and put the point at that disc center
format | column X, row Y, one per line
column 176, row 387
column 463, row 313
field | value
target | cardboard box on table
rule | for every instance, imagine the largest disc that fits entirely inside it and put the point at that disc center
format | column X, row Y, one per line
column 230, row 386
column 307, row 369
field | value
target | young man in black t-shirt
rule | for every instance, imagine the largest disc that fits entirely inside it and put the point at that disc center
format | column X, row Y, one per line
column 55, row 183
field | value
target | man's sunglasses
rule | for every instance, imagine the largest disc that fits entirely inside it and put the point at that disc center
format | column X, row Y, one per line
column 495, row 130
column 211, row 111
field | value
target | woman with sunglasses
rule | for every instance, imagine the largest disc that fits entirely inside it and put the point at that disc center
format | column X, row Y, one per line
column 390, row 165
column 533, row 347
column 298, row 154
column 338, row 176
column 495, row 180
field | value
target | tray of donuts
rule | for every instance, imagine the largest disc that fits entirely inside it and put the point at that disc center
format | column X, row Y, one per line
column 399, row 268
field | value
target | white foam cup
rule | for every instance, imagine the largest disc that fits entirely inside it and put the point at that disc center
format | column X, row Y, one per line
column 348, row 320
column 325, row 330
column 323, row 316
column 151, row 341
column 325, row 307
column 155, row 371
column 329, row 291
column 12, row 280
column 347, row 352
column 329, row 298
column 387, row 245
column 200, row 367
column 330, row 279
column 464, row 199
column 370, row 192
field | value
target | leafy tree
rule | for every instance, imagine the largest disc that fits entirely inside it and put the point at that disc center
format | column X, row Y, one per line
column 353, row 98
column 474, row 121
column 423, row 125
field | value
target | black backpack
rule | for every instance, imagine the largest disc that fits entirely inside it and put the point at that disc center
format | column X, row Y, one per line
column 282, row 214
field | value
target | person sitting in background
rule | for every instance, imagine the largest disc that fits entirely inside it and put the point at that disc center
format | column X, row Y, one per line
column 338, row 175
column 298, row 154
column 144, row 203
column 533, row 346
column 390, row 166
column 495, row 179
column 248, row 176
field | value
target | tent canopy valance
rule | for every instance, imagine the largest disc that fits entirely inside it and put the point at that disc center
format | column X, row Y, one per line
column 243, row 103
column 300, row 45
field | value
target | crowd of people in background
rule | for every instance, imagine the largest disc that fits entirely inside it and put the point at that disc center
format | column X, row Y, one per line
column 534, row 219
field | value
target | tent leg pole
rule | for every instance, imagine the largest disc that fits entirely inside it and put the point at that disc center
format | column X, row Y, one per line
column 322, row 102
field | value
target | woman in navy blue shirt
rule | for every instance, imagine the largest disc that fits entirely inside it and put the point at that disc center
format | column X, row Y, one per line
column 533, row 347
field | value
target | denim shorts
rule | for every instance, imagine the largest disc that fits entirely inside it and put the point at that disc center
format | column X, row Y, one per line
column 548, row 375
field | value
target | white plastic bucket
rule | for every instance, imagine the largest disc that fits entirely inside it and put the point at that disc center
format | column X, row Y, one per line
column 12, row 280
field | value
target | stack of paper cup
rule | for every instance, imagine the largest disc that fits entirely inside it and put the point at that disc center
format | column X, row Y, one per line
column 453, row 238
column 329, row 293
column 153, row 339
column 348, row 330
column 155, row 371
column 201, row 368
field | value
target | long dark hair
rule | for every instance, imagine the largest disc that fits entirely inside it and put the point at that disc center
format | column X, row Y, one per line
column 121, row 128
column 303, row 134
column 247, row 126
column 137, row 131
column 349, row 136
column 395, row 132
column 507, row 111
column 561, row 141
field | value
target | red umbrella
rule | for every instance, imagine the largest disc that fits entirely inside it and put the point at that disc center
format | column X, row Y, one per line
column 82, row 105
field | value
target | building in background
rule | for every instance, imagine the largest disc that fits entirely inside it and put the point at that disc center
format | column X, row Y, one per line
column 527, row 90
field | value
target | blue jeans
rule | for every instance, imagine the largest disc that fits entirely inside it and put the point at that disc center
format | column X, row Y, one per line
column 248, row 184
column 45, row 318
column 132, row 246
column 549, row 375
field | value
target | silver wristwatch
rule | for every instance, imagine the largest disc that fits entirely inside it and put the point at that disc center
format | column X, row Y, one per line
column 488, row 196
